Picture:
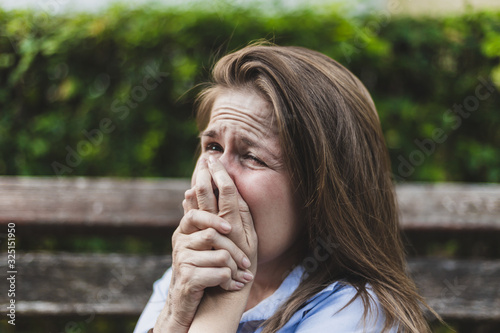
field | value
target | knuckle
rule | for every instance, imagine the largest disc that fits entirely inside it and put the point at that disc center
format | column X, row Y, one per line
column 183, row 274
column 225, row 274
column 202, row 190
column 227, row 189
column 189, row 216
column 190, row 194
column 187, row 193
column 224, row 257
column 209, row 235
column 175, row 235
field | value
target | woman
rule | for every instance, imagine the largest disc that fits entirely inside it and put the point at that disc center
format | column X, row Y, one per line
column 291, row 224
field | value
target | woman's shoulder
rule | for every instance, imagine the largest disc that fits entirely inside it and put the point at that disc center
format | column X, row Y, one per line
column 339, row 306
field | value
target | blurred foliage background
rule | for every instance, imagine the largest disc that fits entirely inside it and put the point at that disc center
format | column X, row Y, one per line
column 111, row 94
column 77, row 97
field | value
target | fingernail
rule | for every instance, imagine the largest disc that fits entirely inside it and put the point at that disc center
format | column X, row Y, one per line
column 247, row 277
column 239, row 285
column 246, row 263
column 211, row 160
column 225, row 226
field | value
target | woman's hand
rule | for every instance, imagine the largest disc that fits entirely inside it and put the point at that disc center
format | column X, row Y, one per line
column 203, row 255
column 232, row 208
column 221, row 311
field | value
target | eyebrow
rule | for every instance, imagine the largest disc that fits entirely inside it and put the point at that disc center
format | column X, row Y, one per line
column 250, row 143
column 211, row 134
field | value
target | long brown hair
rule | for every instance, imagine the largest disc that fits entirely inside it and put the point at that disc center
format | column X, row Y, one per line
column 334, row 149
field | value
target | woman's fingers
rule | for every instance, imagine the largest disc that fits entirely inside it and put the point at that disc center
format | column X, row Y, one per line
column 210, row 239
column 228, row 201
column 235, row 210
column 214, row 258
column 204, row 190
column 246, row 218
column 190, row 201
column 197, row 279
column 195, row 220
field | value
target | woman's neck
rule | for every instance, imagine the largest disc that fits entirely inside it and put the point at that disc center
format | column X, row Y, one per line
column 269, row 277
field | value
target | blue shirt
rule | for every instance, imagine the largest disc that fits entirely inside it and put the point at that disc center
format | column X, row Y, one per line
column 322, row 313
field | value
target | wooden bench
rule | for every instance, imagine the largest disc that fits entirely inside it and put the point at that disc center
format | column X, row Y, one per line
column 120, row 284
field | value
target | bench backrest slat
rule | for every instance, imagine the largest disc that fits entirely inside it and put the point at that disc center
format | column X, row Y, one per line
column 92, row 202
column 157, row 203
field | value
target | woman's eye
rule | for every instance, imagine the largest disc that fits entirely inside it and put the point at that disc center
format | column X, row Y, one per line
column 213, row 147
column 255, row 159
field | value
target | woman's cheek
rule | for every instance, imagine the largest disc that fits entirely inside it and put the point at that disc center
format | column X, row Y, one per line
column 257, row 191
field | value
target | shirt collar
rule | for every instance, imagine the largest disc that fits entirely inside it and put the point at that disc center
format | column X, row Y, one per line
column 269, row 305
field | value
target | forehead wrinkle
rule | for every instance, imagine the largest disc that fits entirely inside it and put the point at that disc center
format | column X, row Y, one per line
column 237, row 125
column 256, row 115
column 245, row 103
column 242, row 99
column 260, row 125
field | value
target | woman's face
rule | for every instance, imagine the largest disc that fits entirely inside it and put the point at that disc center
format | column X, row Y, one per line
column 242, row 136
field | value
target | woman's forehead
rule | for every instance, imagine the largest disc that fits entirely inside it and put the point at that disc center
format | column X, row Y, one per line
column 244, row 107
column 248, row 101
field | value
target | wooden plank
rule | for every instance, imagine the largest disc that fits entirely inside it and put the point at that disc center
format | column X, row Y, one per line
column 65, row 284
column 96, row 284
column 459, row 289
column 111, row 202
column 92, row 201
column 449, row 206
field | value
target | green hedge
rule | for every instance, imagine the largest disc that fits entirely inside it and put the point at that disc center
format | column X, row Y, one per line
column 111, row 94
